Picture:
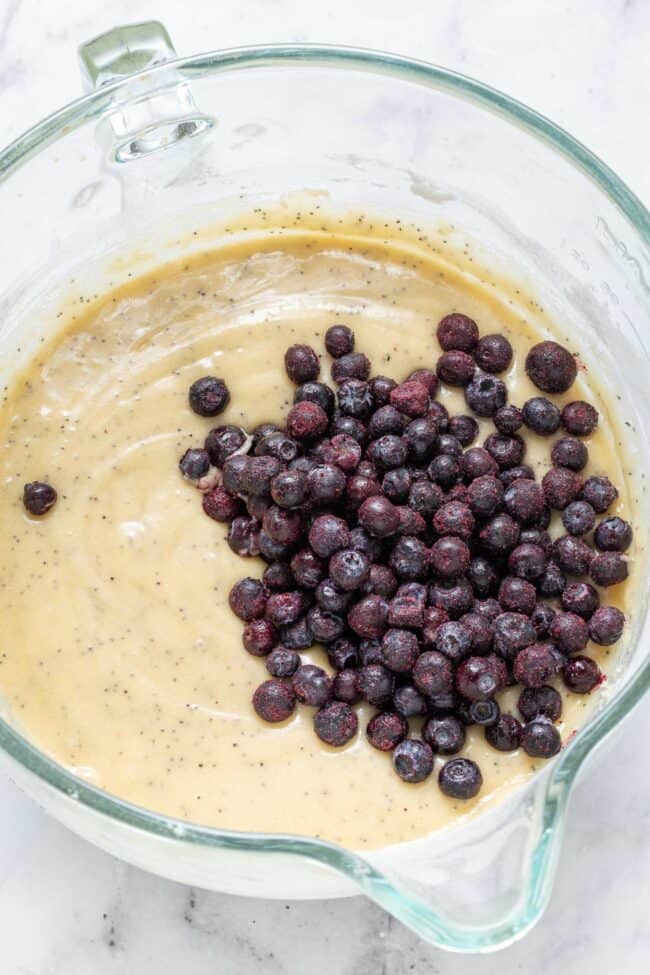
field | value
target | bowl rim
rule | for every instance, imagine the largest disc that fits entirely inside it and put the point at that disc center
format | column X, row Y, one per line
column 412, row 911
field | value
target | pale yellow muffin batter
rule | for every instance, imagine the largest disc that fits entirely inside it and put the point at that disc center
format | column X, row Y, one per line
column 119, row 654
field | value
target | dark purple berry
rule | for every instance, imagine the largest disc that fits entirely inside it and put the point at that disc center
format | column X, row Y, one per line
column 343, row 451
column 581, row 675
column 336, row 723
column 507, row 450
column 484, row 713
column 413, row 760
column 608, row 569
column 380, row 387
column 508, row 419
column 277, row 445
column 222, row 442
column 368, row 618
column 499, row 535
column 448, row 444
column 408, row 701
column 297, row 636
column 263, row 430
column 482, row 575
column 326, row 484
column 426, row 377
column 535, row 665
column 244, row 536
column 540, row 702
column 561, row 486
column 504, row 734
column 370, row 652
column 425, row 497
column 355, row 399
column 485, row 395
column 194, row 464
column 379, row 517
column 351, row 427
column 613, row 535
column 323, row 626
column 328, row 534
column 361, row 541
column 220, row 505
column 272, row 551
column 409, row 559
column 455, row 597
column 457, row 331
column 386, row 730
column 464, row 428
column 349, row 569
column 606, row 625
column 330, row 598
column 445, row 735
column 450, row 557
column 343, row 654
column 282, row 662
column 460, row 778
column 387, row 419
column 400, row 649
column 540, row 738
column 410, row 398
column 376, row 684
column 319, row 393
column 352, row 365
column 387, row 452
column 345, row 687
column 274, row 700
column 289, row 489
column 306, row 421
column 518, row 473
column 209, row 396
column 444, row 470
column 477, row 462
column 600, row 493
column 454, row 518
column 569, row 632
column 480, row 678
column 551, row 367
column 541, row 618
column 493, row 353
column 512, row 633
column 569, row 452
column 578, row 518
column 359, row 487
column 421, row 437
column 301, row 363
column 517, row 595
column 381, row 581
column 311, row 685
column 541, row 416
column 484, row 495
column 283, row 608
column 433, row 673
column 278, row 577
column 282, row 526
column 339, row 340
column 580, row 598
column 258, row 474
column 454, row 640
column 455, row 368
column 552, row 581
column 488, row 609
column 527, row 561
column 579, row 418
column 433, row 618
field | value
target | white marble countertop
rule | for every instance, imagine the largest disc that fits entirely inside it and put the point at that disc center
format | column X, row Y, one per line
column 68, row 909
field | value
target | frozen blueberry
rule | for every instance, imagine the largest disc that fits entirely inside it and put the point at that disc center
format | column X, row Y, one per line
column 379, row 517
column 370, row 653
column 569, row 632
column 433, row 673
column 257, row 506
column 376, row 684
column 272, row 551
column 359, row 487
column 499, row 535
column 561, row 486
column 426, row 377
column 409, row 559
column 361, row 541
column 408, row 701
column 331, row 598
column 421, row 436
column 386, row 730
column 289, row 489
column 460, row 778
column 355, row 399
column 258, row 474
column 485, row 395
column 274, row 700
column 425, row 497
column 263, row 430
column 578, row 518
column 400, row 649
column 234, row 470
column 349, row 569
column 444, row 735
column 411, row 398
column 580, row 598
column 517, row 473
column 413, row 760
column 306, row 421
column 278, row 445
column 456, row 597
column 328, row 534
column 351, row 426
column 504, row 734
column 352, row 365
column 540, row 738
column 297, row 636
column 444, row 470
column 551, row 367
column 541, row 416
column 535, row 665
column 447, row 443
column 540, row 702
column 336, row 723
column 477, row 462
column 283, row 608
column 517, row 595
column 482, row 575
column 613, row 535
column 278, row 577
column 339, row 340
column 600, row 493
column 457, row 331
column 507, row 450
column 326, row 484
column 454, row 518
column 579, row 418
column 301, row 363
column 493, row 353
column 209, row 396
column 220, row 505
column 569, row 452
column 484, row 713
column 450, row 557
column 508, row 419
column 259, row 637
column 552, row 581
column 345, row 687
column 454, row 640
column 324, row 627
column 606, row 625
column 387, row 452
column 194, row 464
column 484, row 495
column 368, row 617
column 282, row 662
column 343, row 451
column 311, row 685
column 512, row 633
column 455, row 368
column 316, row 392
column 608, row 569
column 464, row 428
column 380, row 387
column 343, row 654
column 480, row 678
column 541, row 617
column 488, row 609
column 222, row 442
column 433, row 617
column 581, row 674
column 282, row 526
column 381, row 581
column 387, row 419
column 527, row 561
column 244, row 536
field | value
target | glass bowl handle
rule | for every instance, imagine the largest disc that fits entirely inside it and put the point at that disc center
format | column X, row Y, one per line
column 156, row 109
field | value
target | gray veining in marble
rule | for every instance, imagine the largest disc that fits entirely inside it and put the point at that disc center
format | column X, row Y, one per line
column 68, row 909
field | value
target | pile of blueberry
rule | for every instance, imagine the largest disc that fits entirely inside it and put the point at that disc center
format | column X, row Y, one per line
column 420, row 560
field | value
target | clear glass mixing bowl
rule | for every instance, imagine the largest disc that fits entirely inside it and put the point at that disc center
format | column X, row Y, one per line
column 164, row 146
